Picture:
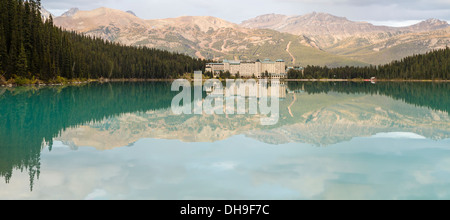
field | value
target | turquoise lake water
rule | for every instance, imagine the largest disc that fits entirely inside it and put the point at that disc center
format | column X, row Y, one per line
column 122, row 141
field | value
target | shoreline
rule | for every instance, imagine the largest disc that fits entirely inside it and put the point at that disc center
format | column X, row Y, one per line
column 191, row 80
column 283, row 80
column 363, row 80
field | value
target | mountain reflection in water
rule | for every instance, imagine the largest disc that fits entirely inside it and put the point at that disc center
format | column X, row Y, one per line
column 114, row 115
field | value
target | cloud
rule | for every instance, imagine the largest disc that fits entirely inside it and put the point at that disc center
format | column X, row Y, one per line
column 394, row 23
column 377, row 10
column 424, row 4
column 97, row 194
column 403, row 135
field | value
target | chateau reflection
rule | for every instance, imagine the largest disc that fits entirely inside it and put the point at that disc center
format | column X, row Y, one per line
column 106, row 116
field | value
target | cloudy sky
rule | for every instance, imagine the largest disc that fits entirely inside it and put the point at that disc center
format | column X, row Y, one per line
column 395, row 12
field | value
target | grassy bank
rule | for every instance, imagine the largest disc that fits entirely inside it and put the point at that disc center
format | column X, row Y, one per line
column 21, row 81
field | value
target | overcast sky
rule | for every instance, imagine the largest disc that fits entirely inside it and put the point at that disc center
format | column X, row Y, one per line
column 394, row 12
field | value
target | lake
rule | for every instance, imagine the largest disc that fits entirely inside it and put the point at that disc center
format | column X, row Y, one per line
column 333, row 140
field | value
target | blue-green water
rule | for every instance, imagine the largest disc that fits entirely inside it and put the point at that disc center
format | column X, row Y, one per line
column 122, row 141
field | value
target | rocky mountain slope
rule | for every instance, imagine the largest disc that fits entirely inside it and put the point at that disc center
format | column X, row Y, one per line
column 45, row 14
column 313, row 24
column 358, row 40
column 203, row 37
column 327, row 24
column 379, row 51
column 312, row 39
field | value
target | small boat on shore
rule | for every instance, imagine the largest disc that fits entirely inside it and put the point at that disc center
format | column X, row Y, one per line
column 372, row 80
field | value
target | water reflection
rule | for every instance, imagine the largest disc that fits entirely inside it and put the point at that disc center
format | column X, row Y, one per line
column 320, row 119
column 111, row 116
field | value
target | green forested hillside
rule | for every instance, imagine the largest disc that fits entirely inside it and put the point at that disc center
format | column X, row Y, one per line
column 33, row 48
column 434, row 65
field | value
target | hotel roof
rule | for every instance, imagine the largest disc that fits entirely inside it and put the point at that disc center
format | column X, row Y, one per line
column 232, row 61
column 237, row 62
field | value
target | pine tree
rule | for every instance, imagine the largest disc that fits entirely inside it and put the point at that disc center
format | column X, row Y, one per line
column 22, row 63
column 2, row 50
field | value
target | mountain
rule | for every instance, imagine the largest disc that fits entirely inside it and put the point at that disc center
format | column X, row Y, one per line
column 313, row 24
column 102, row 22
column 70, row 13
column 428, row 25
column 268, row 21
column 203, row 37
column 380, row 51
column 358, row 40
column 327, row 24
column 312, row 39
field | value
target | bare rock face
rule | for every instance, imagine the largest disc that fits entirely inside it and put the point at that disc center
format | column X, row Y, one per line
column 313, row 24
column 428, row 25
column 45, row 14
column 71, row 12
column 269, row 21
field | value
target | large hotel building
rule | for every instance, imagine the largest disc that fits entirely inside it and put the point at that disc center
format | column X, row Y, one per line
column 257, row 69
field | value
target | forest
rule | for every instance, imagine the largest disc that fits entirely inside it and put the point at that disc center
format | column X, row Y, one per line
column 34, row 48
column 434, row 65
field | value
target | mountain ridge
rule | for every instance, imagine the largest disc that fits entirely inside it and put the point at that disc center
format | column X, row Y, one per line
column 199, row 36
column 300, row 24
column 361, row 41
column 312, row 42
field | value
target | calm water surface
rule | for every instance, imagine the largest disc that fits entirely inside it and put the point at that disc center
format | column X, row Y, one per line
column 122, row 141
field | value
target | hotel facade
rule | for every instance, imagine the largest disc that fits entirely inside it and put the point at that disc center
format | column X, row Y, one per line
column 275, row 69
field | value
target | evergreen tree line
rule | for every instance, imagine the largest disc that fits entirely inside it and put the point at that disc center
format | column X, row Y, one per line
column 433, row 65
column 31, row 47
